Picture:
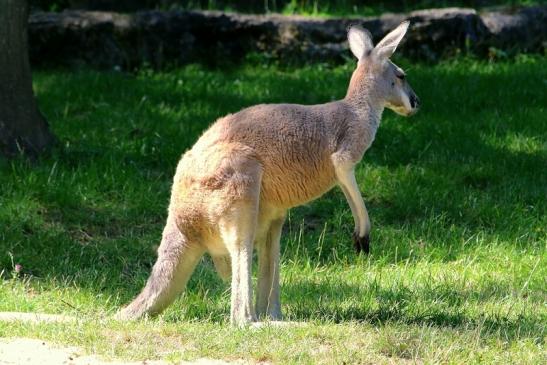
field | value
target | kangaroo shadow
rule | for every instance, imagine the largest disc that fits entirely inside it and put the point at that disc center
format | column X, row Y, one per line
column 438, row 305
column 430, row 306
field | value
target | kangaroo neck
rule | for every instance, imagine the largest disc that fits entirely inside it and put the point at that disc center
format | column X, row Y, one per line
column 362, row 98
column 367, row 108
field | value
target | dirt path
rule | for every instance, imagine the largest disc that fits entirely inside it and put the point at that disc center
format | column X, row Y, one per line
column 25, row 351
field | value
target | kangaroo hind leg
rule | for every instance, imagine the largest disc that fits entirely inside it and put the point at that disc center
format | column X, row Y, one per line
column 237, row 230
column 268, row 296
column 177, row 259
column 223, row 266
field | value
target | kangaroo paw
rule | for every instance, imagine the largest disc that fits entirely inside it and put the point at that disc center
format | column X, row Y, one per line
column 361, row 244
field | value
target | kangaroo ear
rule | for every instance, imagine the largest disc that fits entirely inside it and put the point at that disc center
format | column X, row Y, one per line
column 388, row 45
column 360, row 41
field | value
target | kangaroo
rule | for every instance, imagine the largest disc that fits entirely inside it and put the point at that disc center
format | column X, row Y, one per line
column 232, row 190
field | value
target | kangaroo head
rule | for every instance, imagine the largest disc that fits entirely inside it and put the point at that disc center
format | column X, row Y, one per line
column 378, row 78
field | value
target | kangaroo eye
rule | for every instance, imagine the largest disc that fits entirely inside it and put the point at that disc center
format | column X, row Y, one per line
column 400, row 76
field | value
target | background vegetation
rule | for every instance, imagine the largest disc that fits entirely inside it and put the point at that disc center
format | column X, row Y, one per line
column 457, row 196
column 306, row 7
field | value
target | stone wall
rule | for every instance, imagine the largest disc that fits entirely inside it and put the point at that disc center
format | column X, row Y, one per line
column 107, row 39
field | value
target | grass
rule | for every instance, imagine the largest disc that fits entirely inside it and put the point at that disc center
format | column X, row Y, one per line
column 457, row 196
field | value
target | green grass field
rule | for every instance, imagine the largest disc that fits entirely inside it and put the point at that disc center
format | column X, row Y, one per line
column 457, row 196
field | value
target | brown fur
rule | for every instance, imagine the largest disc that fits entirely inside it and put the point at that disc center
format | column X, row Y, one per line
column 232, row 190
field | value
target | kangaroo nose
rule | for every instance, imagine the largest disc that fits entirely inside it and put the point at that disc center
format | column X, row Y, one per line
column 414, row 101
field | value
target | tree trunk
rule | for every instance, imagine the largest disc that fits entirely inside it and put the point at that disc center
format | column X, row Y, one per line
column 22, row 126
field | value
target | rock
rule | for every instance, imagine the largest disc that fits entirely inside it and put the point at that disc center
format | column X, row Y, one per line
column 443, row 32
column 156, row 38
column 78, row 37
column 523, row 30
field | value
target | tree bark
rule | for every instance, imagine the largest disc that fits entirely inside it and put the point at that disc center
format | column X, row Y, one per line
column 23, row 129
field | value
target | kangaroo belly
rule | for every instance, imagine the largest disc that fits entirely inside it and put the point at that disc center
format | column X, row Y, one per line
column 295, row 184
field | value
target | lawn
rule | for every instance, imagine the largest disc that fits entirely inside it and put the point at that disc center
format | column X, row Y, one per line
column 457, row 196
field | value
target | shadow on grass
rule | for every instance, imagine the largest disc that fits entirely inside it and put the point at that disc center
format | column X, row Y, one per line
column 440, row 306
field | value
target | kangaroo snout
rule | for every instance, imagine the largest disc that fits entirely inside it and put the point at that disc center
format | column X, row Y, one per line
column 414, row 101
